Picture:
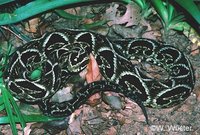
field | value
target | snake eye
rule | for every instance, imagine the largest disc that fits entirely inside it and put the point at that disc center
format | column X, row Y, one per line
column 35, row 74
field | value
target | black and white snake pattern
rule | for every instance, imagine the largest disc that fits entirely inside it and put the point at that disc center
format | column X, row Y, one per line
column 61, row 54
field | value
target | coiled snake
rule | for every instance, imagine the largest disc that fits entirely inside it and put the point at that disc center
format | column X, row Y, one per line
column 64, row 53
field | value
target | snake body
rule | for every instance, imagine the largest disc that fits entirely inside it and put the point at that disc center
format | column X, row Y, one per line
column 61, row 54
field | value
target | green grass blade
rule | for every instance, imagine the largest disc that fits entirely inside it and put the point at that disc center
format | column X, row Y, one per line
column 2, row 107
column 6, row 120
column 161, row 10
column 95, row 24
column 8, row 109
column 17, row 111
column 1, row 99
column 177, row 26
column 40, row 118
column 126, row 1
column 191, row 8
column 29, row 118
column 66, row 15
column 140, row 3
column 178, row 19
column 34, row 8
column 5, row 1
column 170, row 10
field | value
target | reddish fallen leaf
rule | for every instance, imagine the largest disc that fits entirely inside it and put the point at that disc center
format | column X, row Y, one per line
column 93, row 74
column 32, row 25
column 75, row 126
column 194, row 49
column 111, row 131
column 130, row 18
column 27, row 129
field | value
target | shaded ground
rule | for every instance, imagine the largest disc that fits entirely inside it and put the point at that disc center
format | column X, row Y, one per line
column 98, row 118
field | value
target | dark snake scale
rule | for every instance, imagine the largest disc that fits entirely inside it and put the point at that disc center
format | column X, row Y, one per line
column 61, row 54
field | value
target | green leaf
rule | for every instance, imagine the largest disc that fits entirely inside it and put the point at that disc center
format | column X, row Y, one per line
column 17, row 110
column 12, row 109
column 2, row 107
column 40, row 118
column 66, row 15
column 191, row 8
column 34, row 8
column 36, row 74
column 177, row 19
column 161, row 10
column 1, row 100
column 5, row 1
column 140, row 3
column 95, row 24
column 29, row 118
column 170, row 10
column 9, row 110
column 177, row 26
column 126, row 1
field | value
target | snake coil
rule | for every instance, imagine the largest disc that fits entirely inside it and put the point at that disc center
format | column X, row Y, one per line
column 61, row 54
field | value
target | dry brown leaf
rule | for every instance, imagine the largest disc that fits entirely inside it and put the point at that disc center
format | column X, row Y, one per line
column 194, row 49
column 75, row 126
column 73, row 11
column 130, row 18
column 111, row 131
column 27, row 129
column 32, row 25
column 93, row 72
